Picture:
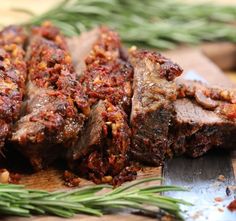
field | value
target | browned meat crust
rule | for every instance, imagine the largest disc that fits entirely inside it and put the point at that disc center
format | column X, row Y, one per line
column 152, row 105
column 102, row 150
column 171, row 119
column 220, row 100
column 205, row 119
column 12, row 78
column 108, row 75
column 102, row 153
column 56, row 103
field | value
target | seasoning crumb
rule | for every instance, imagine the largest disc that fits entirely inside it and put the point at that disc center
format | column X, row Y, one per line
column 71, row 180
column 167, row 218
column 218, row 199
column 232, row 206
column 220, row 210
column 4, row 176
column 14, row 178
column 9, row 177
column 221, row 178
column 227, row 191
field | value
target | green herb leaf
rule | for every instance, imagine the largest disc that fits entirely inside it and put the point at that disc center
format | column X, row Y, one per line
column 162, row 24
column 18, row 201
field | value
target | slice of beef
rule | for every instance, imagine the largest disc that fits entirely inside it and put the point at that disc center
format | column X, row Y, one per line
column 12, row 78
column 205, row 118
column 80, row 48
column 102, row 151
column 107, row 76
column 152, row 105
column 55, row 105
column 205, row 110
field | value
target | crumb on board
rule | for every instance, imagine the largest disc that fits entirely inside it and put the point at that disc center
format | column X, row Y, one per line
column 70, row 179
column 232, row 206
column 230, row 190
column 218, row 199
column 14, row 178
column 167, row 218
column 7, row 177
column 4, row 176
column 221, row 178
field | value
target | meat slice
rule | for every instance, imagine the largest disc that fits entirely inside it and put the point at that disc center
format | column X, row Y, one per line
column 56, row 104
column 108, row 74
column 105, row 142
column 102, row 152
column 80, row 48
column 12, row 78
column 152, row 105
column 205, row 118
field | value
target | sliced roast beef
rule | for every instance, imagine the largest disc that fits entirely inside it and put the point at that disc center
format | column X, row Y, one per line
column 107, row 76
column 80, row 48
column 12, row 78
column 205, row 118
column 56, row 104
column 152, row 105
column 102, row 151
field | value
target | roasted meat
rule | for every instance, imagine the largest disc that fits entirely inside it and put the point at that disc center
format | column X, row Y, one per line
column 108, row 75
column 55, row 106
column 102, row 149
column 205, row 118
column 152, row 105
column 12, row 78
column 102, row 153
column 117, row 106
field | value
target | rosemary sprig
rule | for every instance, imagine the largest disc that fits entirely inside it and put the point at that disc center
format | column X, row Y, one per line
column 18, row 201
column 161, row 24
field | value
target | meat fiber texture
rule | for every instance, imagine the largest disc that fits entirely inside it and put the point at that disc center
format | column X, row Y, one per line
column 12, row 78
column 178, row 117
column 205, row 118
column 55, row 106
column 102, row 150
column 102, row 153
column 152, row 105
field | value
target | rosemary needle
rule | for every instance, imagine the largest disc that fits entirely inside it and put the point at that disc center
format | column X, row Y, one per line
column 162, row 24
column 18, row 201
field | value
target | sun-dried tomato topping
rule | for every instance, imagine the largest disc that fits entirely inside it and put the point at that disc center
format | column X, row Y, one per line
column 108, row 75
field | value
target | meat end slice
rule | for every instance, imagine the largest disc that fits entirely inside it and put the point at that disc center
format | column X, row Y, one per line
column 56, row 105
column 152, row 105
column 102, row 149
column 12, row 78
column 205, row 119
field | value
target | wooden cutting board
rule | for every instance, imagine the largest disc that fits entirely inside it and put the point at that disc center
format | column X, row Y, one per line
column 51, row 179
